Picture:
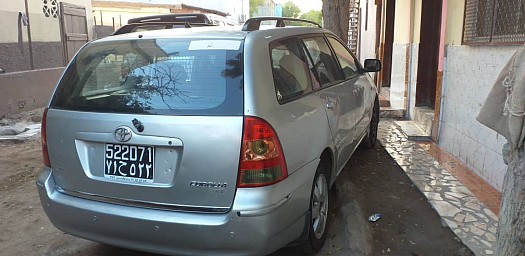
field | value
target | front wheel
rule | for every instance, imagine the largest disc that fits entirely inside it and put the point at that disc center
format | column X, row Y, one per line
column 370, row 140
column 318, row 211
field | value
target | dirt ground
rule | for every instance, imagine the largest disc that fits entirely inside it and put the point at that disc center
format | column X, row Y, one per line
column 409, row 225
column 370, row 183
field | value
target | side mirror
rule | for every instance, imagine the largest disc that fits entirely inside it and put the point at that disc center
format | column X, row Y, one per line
column 372, row 65
column 2, row 71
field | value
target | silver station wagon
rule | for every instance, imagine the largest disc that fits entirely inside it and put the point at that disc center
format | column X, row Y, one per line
column 205, row 140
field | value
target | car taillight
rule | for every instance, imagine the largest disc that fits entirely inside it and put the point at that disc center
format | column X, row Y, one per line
column 43, row 135
column 262, row 160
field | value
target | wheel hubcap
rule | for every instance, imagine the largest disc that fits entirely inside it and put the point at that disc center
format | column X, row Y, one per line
column 320, row 206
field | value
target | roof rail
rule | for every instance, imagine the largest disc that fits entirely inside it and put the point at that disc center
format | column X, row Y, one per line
column 253, row 24
column 150, row 25
column 174, row 17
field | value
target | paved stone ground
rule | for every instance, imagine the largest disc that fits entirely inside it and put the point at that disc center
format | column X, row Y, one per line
column 470, row 220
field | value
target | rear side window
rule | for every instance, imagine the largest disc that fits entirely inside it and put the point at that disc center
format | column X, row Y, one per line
column 162, row 76
column 346, row 61
column 290, row 69
column 322, row 59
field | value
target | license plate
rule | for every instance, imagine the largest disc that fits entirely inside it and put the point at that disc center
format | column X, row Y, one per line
column 129, row 163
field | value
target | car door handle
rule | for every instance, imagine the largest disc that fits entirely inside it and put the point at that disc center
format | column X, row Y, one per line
column 330, row 104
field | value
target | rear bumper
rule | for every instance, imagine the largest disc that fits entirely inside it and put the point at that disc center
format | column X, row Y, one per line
column 259, row 223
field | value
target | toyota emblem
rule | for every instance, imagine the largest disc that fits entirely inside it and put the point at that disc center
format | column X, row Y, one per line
column 122, row 134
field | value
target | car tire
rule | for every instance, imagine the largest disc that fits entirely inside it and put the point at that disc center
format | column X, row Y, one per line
column 318, row 217
column 371, row 138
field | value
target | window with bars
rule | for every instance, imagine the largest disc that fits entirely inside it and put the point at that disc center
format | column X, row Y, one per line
column 494, row 22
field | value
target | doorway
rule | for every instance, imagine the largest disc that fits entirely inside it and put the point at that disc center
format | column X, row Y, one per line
column 388, row 44
column 428, row 53
column 73, row 26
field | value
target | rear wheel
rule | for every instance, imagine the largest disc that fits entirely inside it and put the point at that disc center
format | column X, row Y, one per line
column 318, row 211
column 370, row 140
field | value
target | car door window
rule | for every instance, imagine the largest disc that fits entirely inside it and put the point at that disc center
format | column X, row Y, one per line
column 322, row 59
column 290, row 69
column 314, row 78
column 345, row 58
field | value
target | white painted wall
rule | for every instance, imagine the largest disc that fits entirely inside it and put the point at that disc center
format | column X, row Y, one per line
column 43, row 29
column 367, row 47
column 9, row 20
column 47, row 29
column 120, row 14
column 469, row 74
column 407, row 28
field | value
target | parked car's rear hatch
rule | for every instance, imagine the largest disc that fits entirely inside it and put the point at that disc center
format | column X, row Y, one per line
column 151, row 122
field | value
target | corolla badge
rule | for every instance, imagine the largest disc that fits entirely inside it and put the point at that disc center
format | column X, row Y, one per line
column 122, row 134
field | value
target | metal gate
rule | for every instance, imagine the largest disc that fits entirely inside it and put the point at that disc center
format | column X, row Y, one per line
column 353, row 28
column 73, row 26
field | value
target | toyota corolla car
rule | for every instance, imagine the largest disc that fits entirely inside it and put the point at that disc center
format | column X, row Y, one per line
column 205, row 141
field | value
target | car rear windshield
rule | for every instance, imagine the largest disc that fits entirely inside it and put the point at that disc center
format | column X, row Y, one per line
column 155, row 76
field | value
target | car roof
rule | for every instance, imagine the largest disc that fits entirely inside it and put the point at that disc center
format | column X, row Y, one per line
column 218, row 32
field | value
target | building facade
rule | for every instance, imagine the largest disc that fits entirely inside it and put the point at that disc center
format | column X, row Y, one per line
column 37, row 39
column 267, row 9
column 32, row 36
column 110, row 15
column 440, row 60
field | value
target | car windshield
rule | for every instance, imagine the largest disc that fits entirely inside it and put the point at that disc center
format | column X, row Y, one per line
column 155, row 76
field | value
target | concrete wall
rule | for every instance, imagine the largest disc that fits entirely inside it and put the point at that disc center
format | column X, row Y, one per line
column 115, row 14
column 27, row 90
column 14, row 51
column 367, row 47
column 402, row 22
column 454, row 26
column 118, row 13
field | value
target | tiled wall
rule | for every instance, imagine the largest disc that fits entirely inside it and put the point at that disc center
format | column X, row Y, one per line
column 397, row 89
column 412, row 76
column 469, row 74
column 397, row 80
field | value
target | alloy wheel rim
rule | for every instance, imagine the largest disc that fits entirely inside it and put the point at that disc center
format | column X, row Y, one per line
column 320, row 206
